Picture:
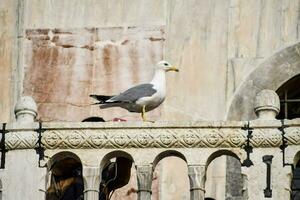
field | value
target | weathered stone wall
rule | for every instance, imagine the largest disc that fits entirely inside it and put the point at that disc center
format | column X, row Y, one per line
column 59, row 51
column 8, row 61
column 64, row 66
column 106, row 46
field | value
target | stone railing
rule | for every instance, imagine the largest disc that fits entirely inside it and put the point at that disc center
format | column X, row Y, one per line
column 119, row 135
column 198, row 143
column 145, row 142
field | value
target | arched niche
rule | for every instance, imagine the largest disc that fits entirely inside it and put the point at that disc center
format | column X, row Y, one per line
column 218, row 153
column 170, row 176
column 66, row 180
column 270, row 74
column 111, row 155
column 168, row 153
column 117, row 176
column 218, row 182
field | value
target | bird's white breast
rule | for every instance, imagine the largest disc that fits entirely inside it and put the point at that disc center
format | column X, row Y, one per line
column 159, row 84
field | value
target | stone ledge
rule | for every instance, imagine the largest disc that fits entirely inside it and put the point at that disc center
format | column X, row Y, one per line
column 150, row 135
column 170, row 124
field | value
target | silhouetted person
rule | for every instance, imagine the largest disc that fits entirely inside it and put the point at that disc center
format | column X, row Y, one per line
column 66, row 181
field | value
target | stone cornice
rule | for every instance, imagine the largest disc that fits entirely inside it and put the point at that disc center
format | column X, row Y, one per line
column 150, row 135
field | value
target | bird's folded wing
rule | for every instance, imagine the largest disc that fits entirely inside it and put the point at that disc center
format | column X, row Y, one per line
column 133, row 94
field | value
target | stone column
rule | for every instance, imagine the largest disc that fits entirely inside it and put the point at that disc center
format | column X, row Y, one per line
column 267, row 105
column 21, row 165
column 197, row 181
column 144, row 180
column 245, row 183
column 91, row 177
column 25, row 110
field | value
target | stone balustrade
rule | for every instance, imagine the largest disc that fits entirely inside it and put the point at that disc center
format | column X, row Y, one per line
column 118, row 135
column 197, row 143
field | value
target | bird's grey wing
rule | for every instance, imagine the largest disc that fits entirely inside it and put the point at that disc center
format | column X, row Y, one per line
column 133, row 94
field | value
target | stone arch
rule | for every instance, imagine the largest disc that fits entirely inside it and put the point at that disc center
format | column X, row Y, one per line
column 215, row 174
column 61, row 156
column 168, row 153
column 169, row 166
column 114, row 154
column 270, row 74
column 66, row 175
column 218, row 153
column 116, row 173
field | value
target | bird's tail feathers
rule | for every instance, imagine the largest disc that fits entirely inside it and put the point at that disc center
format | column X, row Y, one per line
column 100, row 98
column 109, row 105
column 97, row 103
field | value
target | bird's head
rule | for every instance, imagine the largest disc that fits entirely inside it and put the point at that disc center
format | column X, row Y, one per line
column 164, row 65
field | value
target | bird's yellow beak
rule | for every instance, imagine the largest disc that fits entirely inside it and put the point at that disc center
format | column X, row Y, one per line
column 173, row 68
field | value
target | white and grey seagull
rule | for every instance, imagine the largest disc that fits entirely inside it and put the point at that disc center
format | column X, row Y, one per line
column 141, row 98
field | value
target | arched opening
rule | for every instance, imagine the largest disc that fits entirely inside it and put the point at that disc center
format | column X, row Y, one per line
column 271, row 74
column 220, row 153
column 295, row 184
column 66, row 180
column 170, row 176
column 117, row 177
column 167, row 153
column 218, row 182
column 289, row 95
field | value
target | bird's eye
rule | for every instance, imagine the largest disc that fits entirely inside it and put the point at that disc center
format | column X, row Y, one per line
column 166, row 64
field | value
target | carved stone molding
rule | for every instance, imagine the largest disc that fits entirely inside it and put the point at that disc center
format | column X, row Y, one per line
column 143, row 138
column 293, row 135
column 21, row 140
column 147, row 137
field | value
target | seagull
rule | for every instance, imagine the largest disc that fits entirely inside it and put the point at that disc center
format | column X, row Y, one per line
column 140, row 98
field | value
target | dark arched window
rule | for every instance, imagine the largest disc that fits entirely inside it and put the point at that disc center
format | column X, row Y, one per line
column 116, row 168
column 66, row 177
column 296, row 183
column 289, row 94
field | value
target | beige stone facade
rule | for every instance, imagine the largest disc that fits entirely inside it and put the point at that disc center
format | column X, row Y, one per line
column 60, row 51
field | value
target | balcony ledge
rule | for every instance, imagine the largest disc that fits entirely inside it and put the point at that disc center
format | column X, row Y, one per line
column 115, row 135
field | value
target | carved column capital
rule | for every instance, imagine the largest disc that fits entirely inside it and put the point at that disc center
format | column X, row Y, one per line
column 144, row 180
column 197, row 181
column 91, row 176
